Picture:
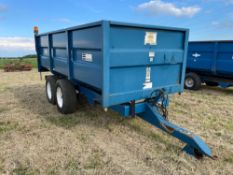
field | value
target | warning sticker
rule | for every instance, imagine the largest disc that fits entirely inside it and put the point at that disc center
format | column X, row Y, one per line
column 148, row 84
column 151, row 38
column 87, row 57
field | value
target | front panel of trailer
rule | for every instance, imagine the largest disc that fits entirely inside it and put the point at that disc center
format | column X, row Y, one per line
column 142, row 60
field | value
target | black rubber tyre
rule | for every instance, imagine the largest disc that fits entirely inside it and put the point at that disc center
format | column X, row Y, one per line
column 192, row 81
column 50, row 88
column 66, row 97
column 210, row 83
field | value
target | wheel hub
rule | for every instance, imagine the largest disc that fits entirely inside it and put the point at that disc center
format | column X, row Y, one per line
column 59, row 97
column 189, row 82
column 49, row 91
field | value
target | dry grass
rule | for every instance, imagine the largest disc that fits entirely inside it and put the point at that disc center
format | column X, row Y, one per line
column 36, row 139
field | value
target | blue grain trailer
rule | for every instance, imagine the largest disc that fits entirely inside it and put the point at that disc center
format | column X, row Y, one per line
column 209, row 62
column 129, row 68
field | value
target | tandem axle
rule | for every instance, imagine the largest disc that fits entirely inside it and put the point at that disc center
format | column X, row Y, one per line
column 62, row 92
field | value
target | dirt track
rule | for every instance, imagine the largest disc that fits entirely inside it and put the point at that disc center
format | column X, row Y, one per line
column 36, row 139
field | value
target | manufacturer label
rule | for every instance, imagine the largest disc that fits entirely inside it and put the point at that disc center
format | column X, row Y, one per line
column 151, row 38
column 87, row 57
column 148, row 84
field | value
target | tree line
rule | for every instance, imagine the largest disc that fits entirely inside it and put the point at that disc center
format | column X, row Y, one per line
column 23, row 57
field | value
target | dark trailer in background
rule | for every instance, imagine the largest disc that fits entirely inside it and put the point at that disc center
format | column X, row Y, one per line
column 129, row 68
column 209, row 62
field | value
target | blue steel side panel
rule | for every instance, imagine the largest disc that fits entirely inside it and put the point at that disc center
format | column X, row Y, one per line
column 128, row 79
column 59, row 53
column 88, row 41
column 201, row 56
column 224, row 62
column 118, row 57
column 43, row 49
column 129, row 59
column 214, row 57
column 133, row 38
column 44, row 41
column 88, row 38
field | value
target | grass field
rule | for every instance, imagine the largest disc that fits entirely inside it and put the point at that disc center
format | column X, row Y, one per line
column 36, row 139
column 26, row 60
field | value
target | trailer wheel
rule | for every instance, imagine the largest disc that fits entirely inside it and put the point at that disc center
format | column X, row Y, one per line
column 210, row 83
column 50, row 88
column 66, row 97
column 192, row 81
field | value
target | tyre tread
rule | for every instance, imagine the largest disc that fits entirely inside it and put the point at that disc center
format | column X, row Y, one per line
column 52, row 79
column 69, row 96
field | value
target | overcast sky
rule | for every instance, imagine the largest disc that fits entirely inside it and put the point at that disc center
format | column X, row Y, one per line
column 206, row 19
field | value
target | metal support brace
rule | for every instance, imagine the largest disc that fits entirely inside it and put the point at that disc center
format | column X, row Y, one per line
column 195, row 145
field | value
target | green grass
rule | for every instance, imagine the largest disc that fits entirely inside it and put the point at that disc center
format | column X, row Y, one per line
column 25, row 60
column 21, row 169
column 2, row 109
column 66, row 122
column 229, row 159
column 95, row 160
column 7, row 126
column 73, row 167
